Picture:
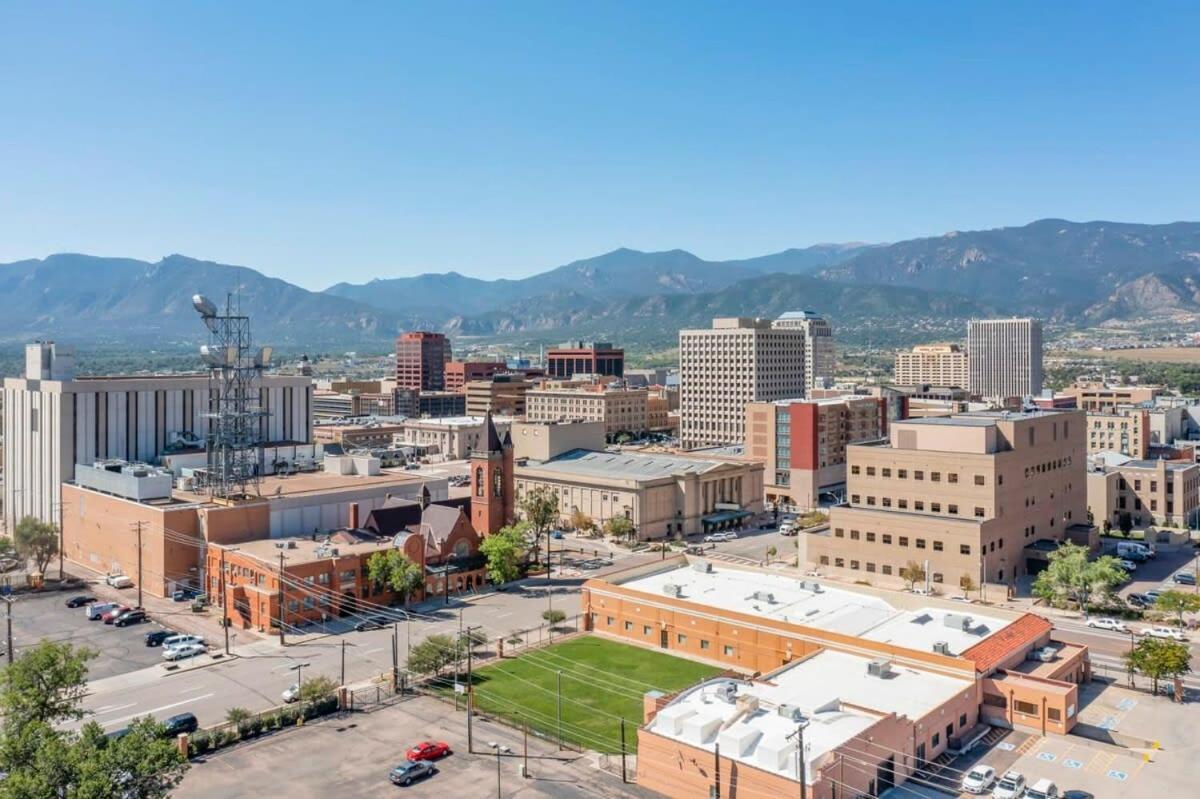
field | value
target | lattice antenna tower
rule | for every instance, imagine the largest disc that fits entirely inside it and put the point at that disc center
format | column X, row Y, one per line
column 234, row 439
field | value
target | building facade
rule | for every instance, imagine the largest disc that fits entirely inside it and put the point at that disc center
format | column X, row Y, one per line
column 493, row 481
column 585, row 358
column 502, row 395
column 54, row 420
column 933, row 364
column 454, row 437
column 1005, row 357
column 1097, row 396
column 722, row 369
column 421, row 359
column 1123, row 430
column 802, row 444
column 1138, row 493
column 820, row 360
column 971, row 495
column 459, row 373
column 622, row 410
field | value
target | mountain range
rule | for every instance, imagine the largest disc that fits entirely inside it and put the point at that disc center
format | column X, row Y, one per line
column 1070, row 273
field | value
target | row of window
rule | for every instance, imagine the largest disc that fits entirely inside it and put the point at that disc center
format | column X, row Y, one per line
column 681, row 639
column 870, row 566
column 918, row 474
column 886, row 538
column 917, row 505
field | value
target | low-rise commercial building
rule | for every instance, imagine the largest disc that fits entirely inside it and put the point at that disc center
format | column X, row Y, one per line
column 1144, row 492
column 1099, row 397
column 453, row 437
column 585, row 358
column 364, row 435
column 1123, row 430
column 459, row 373
column 500, row 395
column 969, row 495
column 933, row 364
column 541, row 441
column 622, row 410
column 662, row 409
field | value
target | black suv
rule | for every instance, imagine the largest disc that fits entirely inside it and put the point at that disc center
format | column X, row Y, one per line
column 184, row 722
column 157, row 637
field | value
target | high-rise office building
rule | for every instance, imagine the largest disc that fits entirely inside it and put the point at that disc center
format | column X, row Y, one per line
column 1005, row 357
column 933, row 365
column 819, row 359
column 421, row 359
column 723, row 368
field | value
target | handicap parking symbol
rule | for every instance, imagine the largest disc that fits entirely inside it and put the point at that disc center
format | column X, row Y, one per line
column 1049, row 757
column 1127, row 704
column 1109, row 723
column 1119, row 776
column 1073, row 763
column 1005, row 747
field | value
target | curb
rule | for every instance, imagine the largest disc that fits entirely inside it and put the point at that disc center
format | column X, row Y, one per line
column 213, row 661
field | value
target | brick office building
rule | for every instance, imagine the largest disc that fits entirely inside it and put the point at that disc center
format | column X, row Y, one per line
column 421, row 359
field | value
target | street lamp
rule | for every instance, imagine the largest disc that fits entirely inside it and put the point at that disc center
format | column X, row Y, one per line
column 299, row 669
column 498, row 749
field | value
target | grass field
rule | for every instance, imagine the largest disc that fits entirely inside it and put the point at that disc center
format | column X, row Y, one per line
column 1145, row 355
column 602, row 681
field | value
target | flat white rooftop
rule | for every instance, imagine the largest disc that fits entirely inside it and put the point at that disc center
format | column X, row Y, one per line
column 821, row 688
column 812, row 603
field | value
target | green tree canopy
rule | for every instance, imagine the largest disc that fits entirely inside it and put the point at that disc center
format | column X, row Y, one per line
column 36, row 540
column 1072, row 576
column 1177, row 602
column 619, row 527
column 554, row 616
column 317, row 687
column 396, row 571
column 539, row 509
column 1159, row 659
column 433, row 654
column 504, row 550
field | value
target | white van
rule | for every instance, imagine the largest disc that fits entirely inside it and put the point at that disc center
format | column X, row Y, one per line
column 1133, row 551
column 98, row 609
column 1042, row 789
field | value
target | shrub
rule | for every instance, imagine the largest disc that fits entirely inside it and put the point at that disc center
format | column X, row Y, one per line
column 199, row 743
column 253, row 727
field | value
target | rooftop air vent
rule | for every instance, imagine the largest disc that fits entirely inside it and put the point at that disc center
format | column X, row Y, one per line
column 671, row 589
column 957, row 621
column 727, row 691
column 941, row 647
column 880, row 667
column 291, row 545
column 702, row 566
column 791, row 713
column 765, row 596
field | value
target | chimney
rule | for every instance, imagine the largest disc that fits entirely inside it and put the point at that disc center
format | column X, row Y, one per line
column 353, row 515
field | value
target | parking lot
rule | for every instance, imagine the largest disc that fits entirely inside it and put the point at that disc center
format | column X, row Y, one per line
column 119, row 649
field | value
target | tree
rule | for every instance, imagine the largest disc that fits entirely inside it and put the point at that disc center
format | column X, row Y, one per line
column 619, row 527
column 396, row 571
column 7, row 550
column 1177, row 602
column 1106, row 527
column 771, row 553
column 582, row 522
column 1159, row 659
column 433, row 654
column 967, row 584
column 45, row 684
column 236, row 715
column 1072, row 576
column 504, row 550
column 36, row 540
column 540, row 509
column 912, row 573
column 144, row 763
column 554, row 616
column 316, row 688
column 1125, row 522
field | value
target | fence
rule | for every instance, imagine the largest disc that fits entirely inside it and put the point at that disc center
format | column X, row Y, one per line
column 519, row 641
column 376, row 696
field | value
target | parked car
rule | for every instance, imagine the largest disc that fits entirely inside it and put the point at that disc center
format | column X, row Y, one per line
column 80, row 601
column 183, row 651
column 1128, row 565
column 98, row 609
column 157, row 637
column 428, row 750
column 184, row 722
column 407, row 773
column 1010, row 786
column 1073, row 794
column 716, row 538
column 178, row 639
column 111, row 615
column 1152, row 595
column 291, row 693
column 1042, row 789
column 1160, row 631
column 979, row 779
column 183, row 594
column 1116, row 625
column 1184, row 578
column 1139, row 600
column 373, row 623
column 131, row 617
column 557, row 535
column 119, row 581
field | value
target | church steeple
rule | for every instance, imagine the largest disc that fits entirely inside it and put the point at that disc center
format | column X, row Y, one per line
column 492, row 485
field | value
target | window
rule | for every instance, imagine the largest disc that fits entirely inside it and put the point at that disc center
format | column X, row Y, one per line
column 839, row 532
column 903, row 540
column 920, row 543
column 937, row 739
column 854, row 469
column 609, row 620
column 1053, row 714
column 479, row 481
column 308, row 603
column 918, row 474
column 680, row 639
column 935, row 477
column 854, row 564
column 824, row 560
column 937, row 577
column 995, row 700
column 704, row 644
column 937, row 546
column 902, row 473
column 839, row 562
column 887, row 538
column 952, row 477
column 646, row 629
column 979, row 512
column 727, row 650
column 918, row 504
column 870, row 567
column 870, row 471
column 854, row 535
column 886, row 569
column 870, row 500
column 1025, row 708
column 936, row 507
column 886, row 471
column 964, row 549
column 870, row 536
column 952, row 510
column 628, row 626
column 902, row 503
column 855, row 499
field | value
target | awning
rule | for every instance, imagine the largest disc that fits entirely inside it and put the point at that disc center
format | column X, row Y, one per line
column 725, row 516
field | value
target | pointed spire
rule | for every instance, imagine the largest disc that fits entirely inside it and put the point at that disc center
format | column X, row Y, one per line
column 493, row 438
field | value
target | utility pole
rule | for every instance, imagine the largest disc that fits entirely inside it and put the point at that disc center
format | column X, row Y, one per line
column 525, row 725
column 716, row 793
column 9, row 601
column 343, row 681
column 623, row 777
column 61, row 541
column 800, row 765
column 224, row 608
column 138, row 525
column 470, row 686
column 282, row 642
column 558, row 681
column 395, row 654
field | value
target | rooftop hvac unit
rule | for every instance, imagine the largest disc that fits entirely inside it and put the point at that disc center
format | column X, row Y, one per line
column 727, row 691
column 291, row 545
column 957, row 621
column 880, row 667
column 333, row 552
column 791, row 713
column 941, row 647
column 702, row 566
column 816, row 588
column 279, row 545
column 670, row 589
column 765, row 596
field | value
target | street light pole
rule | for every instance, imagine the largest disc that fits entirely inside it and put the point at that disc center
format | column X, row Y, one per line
column 800, row 765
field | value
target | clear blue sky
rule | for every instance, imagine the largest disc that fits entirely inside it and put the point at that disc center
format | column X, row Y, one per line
column 343, row 141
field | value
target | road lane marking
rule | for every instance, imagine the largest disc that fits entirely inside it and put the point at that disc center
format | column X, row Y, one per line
column 152, row 711
column 111, row 708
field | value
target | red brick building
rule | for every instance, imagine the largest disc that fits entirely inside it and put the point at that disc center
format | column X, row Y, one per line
column 459, row 373
column 492, row 484
column 421, row 359
column 586, row 358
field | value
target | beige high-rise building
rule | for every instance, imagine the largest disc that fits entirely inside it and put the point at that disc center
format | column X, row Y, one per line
column 820, row 361
column 933, row 365
column 736, row 362
column 975, row 495
column 1005, row 357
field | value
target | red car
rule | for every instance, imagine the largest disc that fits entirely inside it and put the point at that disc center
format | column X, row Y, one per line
column 429, row 750
column 111, row 616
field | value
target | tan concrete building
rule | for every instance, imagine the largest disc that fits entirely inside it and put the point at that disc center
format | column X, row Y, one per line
column 820, row 360
column 371, row 435
column 662, row 494
column 1146, row 492
column 802, row 444
column 662, row 403
column 970, row 494
column 1092, row 395
column 541, row 441
column 1123, row 430
column 1005, row 357
column 933, row 364
column 500, row 395
column 622, row 410
column 454, row 437
column 721, row 369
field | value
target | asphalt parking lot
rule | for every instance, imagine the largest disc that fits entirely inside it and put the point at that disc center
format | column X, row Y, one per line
column 119, row 649
column 352, row 755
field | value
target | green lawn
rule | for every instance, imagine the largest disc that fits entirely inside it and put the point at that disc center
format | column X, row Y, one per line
column 601, row 679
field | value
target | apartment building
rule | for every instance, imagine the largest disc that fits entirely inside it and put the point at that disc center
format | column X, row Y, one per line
column 802, row 443
column 622, row 410
column 421, row 359
column 502, row 394
column 1005, row 357
column 1097, row 396
column 933, row 364
column 735, row 362
column 971, row 494
column 1123, row 430
column 54, row 420
column 459, row 373
column 820, row 361
column 1143, row 492
column 585, row 358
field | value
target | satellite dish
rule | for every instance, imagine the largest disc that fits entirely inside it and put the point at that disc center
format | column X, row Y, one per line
column 203, row 305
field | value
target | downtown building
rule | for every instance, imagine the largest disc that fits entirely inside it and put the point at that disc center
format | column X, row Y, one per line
column 421, row 360
column 932, row 365
column 585, row 358
column 820, row 361
column 1005, row 357
column 724, row 368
